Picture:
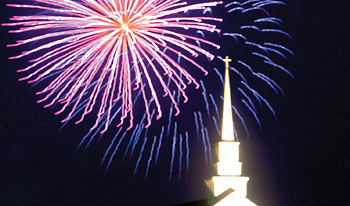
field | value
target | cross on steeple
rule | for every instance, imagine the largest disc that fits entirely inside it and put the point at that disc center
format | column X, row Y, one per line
column 227, row 60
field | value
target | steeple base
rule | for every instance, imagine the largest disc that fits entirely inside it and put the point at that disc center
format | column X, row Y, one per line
column 229, row 171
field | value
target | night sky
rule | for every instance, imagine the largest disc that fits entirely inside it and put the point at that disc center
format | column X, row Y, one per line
column 300, row 159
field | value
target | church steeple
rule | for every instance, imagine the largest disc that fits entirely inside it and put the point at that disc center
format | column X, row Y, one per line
column 227, row 121
column 229, row 168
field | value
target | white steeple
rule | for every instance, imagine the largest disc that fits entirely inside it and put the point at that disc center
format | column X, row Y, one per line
column 229, row 169
column 227, row 132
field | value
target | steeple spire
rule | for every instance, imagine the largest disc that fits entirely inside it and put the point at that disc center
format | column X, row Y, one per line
column 229, row 168
column 227, row 121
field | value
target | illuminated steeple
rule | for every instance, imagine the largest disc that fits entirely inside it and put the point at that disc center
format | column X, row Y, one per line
column 229, row 168
column 227, row 121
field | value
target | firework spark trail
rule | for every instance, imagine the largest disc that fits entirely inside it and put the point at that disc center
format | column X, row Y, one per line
column 235, row 36
column 100, row 127
column 269, row 20
column 178, row 58
column 175, row 129
column 269, row 2
column 261, row 56
column 136, row 139
column 111, row 120
column 115, row 115
column 276, row 31
column 178, row 94
column 220, row 75
column 172, row 155
column 268, row 49
column 140, row 156
column 92, row 137
column 79, row 108
column 255, row 9
column 196, row 122
column 253, row 112
column 150, row 156
column 203, row 136
column 215, row 105
column 86, row 38
column 279, row 67
column 169, row 121
column 268, row 105
column 45, row 78
column 260, row 98
column 216, row 125
column 247, row 97
column 238, row 73
column 110, row 145
column 136, row 130
column 198, row 43
column 251, row 90
column 159, row 145
column 251, row 27
column 208, row 143
column 187, row 153
column 137, row 136
column 205, row 146
column 246, row 66
column 115, row 151
column 180, row 156
column 270, row 82
column 280, row 47
column 170, row 115
column 204, row 93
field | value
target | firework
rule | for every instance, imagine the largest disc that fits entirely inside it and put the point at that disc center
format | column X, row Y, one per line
column 257, row 53
column 97, row 54
column 100, row 51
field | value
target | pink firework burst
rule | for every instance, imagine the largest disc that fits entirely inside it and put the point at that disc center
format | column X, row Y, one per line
column 105, row 49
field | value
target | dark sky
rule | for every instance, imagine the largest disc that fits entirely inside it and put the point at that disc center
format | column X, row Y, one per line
column 301, row 159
